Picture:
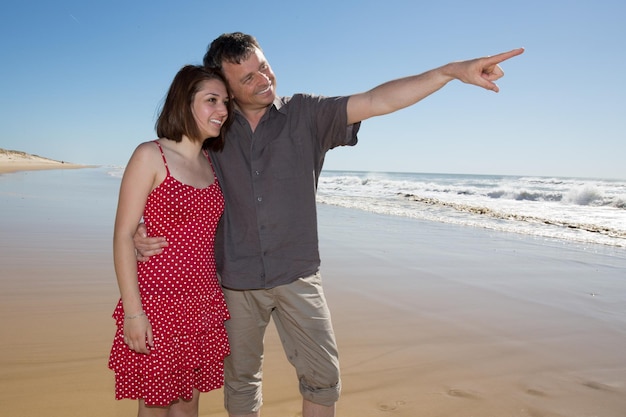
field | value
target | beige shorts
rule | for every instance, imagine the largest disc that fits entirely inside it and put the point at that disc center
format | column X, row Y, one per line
column 303, row 321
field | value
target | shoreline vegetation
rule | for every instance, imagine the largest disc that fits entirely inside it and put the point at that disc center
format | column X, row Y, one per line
column 13, row 161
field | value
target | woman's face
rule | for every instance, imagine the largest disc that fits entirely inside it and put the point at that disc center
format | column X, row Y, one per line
column 209, row 107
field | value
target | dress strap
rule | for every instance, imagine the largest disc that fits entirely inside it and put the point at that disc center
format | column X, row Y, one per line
column 206, row 153
column 163, row 156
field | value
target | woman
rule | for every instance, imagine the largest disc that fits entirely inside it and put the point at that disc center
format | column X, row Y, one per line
column 170, row 341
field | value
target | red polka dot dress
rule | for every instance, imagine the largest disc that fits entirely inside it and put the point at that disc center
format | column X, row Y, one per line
column 181, row 297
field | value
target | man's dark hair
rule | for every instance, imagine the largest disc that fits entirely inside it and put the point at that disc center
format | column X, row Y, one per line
column 229, row 47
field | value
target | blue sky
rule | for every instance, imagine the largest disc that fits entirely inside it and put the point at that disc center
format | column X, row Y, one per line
column 82, row 81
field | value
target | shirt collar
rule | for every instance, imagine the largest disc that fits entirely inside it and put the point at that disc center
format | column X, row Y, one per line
column 278, row 105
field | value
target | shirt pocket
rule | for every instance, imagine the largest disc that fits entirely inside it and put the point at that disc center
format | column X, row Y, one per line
column 287, row 158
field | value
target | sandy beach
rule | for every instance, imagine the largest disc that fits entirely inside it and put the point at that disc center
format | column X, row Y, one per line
column 12, row 161
column 431, row 319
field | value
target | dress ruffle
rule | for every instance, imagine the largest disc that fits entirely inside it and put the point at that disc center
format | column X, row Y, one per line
column 190, row 356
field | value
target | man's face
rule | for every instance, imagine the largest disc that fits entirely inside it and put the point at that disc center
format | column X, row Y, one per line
column 252, row 83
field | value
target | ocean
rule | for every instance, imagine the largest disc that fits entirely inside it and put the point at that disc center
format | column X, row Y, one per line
column 569, row 209
column 580, row 210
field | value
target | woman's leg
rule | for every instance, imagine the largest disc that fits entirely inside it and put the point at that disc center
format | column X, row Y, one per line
column 185, row 408
column 151, row 411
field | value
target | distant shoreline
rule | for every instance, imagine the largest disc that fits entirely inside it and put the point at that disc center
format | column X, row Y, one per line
column 13, row 161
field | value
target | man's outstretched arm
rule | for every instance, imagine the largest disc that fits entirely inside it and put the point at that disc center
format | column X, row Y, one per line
column 403, row 92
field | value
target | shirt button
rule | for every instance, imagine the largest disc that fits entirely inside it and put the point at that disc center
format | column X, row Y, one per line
column 259, row 199
column 257, row 173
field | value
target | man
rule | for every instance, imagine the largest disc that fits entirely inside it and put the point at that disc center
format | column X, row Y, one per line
column 268, row 255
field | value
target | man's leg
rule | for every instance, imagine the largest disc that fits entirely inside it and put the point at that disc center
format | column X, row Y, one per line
column 243, row 368
column 310, row 409
column 257, row 414
column 304, row 324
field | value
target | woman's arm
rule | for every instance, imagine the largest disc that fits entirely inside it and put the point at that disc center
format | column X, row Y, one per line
column 138, row 181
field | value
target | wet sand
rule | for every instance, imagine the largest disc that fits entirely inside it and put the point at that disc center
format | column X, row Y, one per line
column 431, row 319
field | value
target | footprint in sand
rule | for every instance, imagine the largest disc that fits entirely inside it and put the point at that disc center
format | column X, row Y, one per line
column 390, row 406
column 597, row 385
column 462, row 394
column 535, row 392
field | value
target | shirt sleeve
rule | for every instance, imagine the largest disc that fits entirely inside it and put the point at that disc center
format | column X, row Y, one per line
column 330, row 118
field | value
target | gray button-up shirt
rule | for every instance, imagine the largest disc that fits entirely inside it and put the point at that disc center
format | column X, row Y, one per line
column 268, row 232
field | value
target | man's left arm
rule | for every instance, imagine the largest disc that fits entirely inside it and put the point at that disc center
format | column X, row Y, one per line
column 403, row 92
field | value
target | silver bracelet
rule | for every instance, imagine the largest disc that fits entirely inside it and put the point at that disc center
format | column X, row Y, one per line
column 140, row 314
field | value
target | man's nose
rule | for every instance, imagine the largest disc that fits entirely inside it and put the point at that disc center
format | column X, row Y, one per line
column 264, row 77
